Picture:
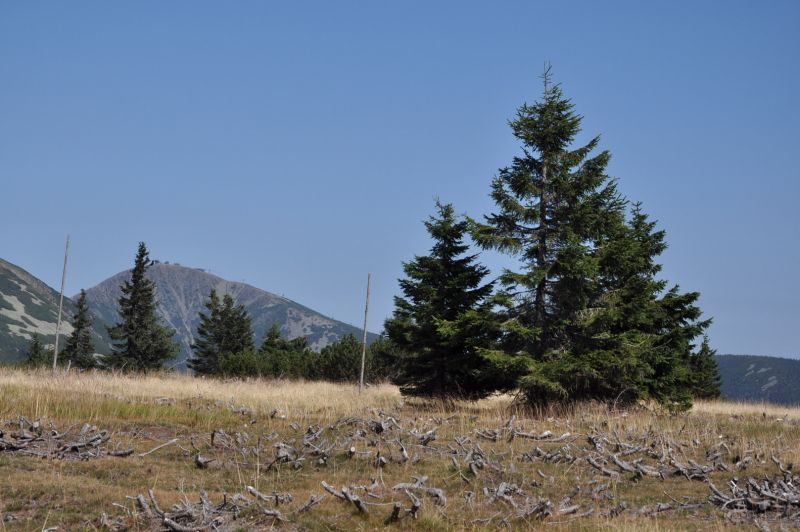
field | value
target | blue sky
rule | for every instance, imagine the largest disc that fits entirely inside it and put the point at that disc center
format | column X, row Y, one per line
column 299, row 145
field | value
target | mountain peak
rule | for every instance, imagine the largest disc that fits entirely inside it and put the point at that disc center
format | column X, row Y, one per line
column 182, row 292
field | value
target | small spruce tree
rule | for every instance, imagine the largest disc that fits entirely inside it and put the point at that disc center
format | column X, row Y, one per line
column 139, row 341
column 224, row 328
column 706, row 379
column 205, row 349
column 282, row 358
column 38, row 356
column 79, row 349
column 339, row 361
column 444, row 320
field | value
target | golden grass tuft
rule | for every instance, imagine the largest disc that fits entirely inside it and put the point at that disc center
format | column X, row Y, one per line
column 46, row 391
column 728, row 408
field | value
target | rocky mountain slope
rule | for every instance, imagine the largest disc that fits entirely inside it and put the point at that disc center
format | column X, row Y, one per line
column 28, row 306
column 183, row 291
column 760, row 378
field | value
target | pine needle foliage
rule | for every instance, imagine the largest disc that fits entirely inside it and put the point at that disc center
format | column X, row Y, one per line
column 282, row 358
column 38, row 355
column 79, row 349
column 706, row 378
column 585, row 313
column 339, row 361
column 444, row 320
column 277, row 357
column 224, row 328
column 139, row 341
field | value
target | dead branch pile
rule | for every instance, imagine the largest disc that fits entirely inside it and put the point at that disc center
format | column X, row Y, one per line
column 22, row 436
column 187, row 515
column 776, row 498
column 385, row 440
column 499, row 472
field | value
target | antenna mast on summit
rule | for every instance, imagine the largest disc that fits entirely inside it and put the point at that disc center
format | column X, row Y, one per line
column 60, row 304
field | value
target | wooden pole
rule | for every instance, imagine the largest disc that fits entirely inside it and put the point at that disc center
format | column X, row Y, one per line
column 60, row 304
column 364, row 342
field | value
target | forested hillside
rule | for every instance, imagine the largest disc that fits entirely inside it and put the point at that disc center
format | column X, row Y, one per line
column 760, row 378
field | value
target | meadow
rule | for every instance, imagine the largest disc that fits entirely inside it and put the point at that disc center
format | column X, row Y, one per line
column 102, row 451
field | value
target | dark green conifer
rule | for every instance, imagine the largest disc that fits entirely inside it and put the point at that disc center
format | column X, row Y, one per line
column 554, row 205
column 79, row 349
column 706, row 379
column 237, row 328
column 140, row 342
column 277, row 358
column 339, row 361
column 444, row 320
column 383, row 360
column 272, row 338
column 634, row 338
column 586, row 315
column 224, row 328
column 282, row 358
column 38, row 356
column 205, row 349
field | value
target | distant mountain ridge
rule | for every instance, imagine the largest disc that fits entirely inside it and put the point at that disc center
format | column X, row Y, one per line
column 760, row 378
column 29, row 306
column 183, row 291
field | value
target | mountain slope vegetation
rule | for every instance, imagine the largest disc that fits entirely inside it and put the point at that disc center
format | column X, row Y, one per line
column 760, row 378
column 28, row 306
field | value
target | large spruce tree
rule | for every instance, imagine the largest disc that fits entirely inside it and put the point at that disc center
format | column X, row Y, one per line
column 444, row 320
column 586, row 315
column 224, row 328
column 140, row 342
column 79, row 349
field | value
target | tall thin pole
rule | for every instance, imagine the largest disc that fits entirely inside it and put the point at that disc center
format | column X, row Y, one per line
column 60, row 304
column 364, row 342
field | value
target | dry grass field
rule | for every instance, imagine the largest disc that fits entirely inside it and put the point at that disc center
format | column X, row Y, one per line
column 75, row 454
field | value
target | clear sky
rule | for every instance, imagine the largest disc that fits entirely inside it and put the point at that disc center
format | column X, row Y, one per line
column 298, row 145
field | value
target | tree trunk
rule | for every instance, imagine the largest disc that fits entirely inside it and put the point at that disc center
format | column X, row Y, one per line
column 541, row 257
